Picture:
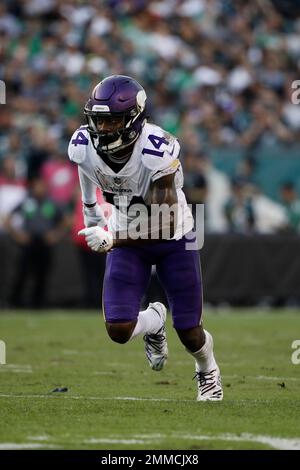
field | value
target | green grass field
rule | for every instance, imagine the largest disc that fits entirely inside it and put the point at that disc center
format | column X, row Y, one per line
column 115, row 401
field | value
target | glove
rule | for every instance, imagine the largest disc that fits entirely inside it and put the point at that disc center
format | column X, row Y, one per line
column 94, row 216
column 97, row 238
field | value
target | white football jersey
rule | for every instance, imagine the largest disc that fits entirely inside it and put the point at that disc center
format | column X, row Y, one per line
column 155, row 154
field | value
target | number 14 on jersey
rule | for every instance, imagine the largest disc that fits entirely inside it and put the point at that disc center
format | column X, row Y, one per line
column 156, row 142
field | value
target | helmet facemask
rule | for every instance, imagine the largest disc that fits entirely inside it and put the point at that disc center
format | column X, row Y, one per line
column 109, row 136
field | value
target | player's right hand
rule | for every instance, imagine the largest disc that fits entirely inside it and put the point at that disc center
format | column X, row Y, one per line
column 94, row 216
column 97, row 239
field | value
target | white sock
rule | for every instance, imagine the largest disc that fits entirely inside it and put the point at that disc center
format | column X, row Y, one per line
column 205, row 359
column 148, row 322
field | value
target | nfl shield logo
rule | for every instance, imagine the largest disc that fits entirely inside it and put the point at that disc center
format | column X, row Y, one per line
column 117, row 181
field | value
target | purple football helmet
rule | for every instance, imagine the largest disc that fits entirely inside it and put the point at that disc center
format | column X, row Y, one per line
column 116, row 113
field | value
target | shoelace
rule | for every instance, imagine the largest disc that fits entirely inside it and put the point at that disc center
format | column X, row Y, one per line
column 208, row 385
column 156, row 341
column 205, row 378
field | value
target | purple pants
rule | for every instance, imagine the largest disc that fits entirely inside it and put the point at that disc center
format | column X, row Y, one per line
column 128, row 272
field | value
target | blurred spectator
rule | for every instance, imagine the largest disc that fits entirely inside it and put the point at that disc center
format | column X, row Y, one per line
column 270, row 217
column 12, row 188
column 38, row 151
column 218, row 74
column 53, row 52
column 291, row 203
column 61, row 178
column 238, row 209
column 246, row 170
column 212, row 96
column 195, row 184
column 92, row 264
column 36, row 225
column 217, row 191
column 288, row 8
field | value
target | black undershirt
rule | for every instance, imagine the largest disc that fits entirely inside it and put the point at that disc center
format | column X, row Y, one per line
column 117, row 167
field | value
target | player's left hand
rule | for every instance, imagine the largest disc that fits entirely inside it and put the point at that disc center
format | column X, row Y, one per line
column 97, row 238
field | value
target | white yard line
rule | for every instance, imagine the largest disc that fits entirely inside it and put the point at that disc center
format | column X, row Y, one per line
column 150, row 437
column 162, row 400
column 20, row 446
column 75, row 397
column 38, row 438
column 78, row 397
column 17, row 368
column 148, row 399
column 260, row 377
column 114, row 441
column 279, row 443
column 265, row 377
column 16, row 371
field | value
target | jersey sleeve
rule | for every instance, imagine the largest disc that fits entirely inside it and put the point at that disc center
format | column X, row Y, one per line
column 160, row 154
column 88, row 188
column 78, row 145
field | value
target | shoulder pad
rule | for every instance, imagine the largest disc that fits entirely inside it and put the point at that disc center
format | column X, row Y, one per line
column 78, row 145
column 160, row 148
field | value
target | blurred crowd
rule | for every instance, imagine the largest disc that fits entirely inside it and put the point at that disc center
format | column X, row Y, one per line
column 217, row 73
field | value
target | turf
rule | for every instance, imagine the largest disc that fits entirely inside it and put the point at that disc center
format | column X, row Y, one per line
column 115, row 401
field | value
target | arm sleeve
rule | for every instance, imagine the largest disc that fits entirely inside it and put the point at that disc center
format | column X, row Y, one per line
column 88, row 188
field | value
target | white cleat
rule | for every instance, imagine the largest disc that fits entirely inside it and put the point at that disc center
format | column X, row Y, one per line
column 209, row 385
column 156, row 343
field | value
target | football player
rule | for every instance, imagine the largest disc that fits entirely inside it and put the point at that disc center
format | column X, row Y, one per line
column 135, row 162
